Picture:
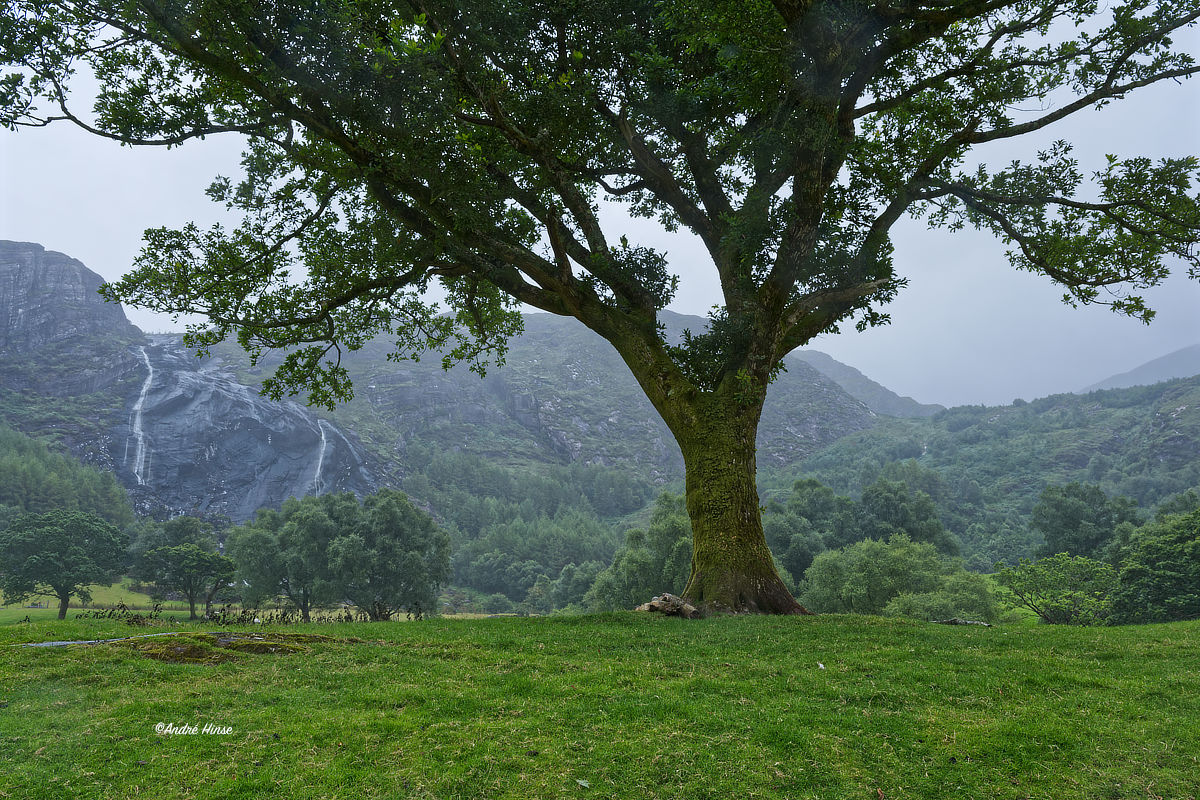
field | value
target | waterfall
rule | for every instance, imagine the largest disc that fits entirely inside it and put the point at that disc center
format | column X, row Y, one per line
column 316, row 485
column 139, row 434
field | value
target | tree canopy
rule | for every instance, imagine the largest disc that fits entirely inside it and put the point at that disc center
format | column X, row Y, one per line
column 285, row 552
column 1159, row 578
column 471, row 143
column 1080, row 519
column 191, row 570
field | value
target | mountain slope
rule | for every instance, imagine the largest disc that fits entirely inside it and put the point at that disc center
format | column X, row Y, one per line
column 990, row 464
column 876, row 397
column 186, row 435
column 1182, row 363
column 563, row 396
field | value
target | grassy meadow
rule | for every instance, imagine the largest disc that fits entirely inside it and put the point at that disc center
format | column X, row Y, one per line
column 608, row 706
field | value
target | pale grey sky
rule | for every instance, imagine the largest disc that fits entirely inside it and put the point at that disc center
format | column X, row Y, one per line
column 968, row 329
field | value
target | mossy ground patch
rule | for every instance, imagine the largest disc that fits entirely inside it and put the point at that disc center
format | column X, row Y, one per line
column 218, row 648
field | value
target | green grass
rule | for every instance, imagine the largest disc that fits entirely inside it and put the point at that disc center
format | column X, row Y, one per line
column 623, row 705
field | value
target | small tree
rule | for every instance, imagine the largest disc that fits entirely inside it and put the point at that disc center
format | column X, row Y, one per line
column 60, row 553
column 1062, row 589
column 395, row 559
column 172, row 533
column 1159, row 577
column 192, row 571
column 652, row 561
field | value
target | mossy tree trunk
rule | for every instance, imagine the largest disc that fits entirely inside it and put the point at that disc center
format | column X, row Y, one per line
column 716, row 427
column 64, row 598
column 732, row 567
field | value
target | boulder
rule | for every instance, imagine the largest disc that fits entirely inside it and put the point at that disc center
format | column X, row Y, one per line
column 671, row 606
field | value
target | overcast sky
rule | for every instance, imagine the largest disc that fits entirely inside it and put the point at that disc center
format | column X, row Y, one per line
column 967, row 329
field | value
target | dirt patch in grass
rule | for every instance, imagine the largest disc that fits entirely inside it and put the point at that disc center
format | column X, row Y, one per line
column 219, row 648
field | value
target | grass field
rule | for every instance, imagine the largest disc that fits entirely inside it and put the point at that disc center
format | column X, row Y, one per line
column 102, row 597
column 610, row 706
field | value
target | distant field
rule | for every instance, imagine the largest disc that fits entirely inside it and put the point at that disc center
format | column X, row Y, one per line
column 102, row 597
column 609, row 706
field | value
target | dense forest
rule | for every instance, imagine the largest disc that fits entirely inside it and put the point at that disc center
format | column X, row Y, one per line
column 36, row 479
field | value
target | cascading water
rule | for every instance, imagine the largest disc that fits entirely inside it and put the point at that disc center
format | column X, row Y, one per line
column 139, row 434
column 317, row 485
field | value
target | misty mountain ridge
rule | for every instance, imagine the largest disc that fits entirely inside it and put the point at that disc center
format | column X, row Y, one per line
column 1182, row 363
column 185, row 435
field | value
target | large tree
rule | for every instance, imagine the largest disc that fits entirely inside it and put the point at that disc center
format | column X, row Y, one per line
column 394, row 558
column 60, row 553
column 285, row 552
column 471, row 143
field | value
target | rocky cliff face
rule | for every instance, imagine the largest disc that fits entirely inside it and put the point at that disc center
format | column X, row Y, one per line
column 49, row 297
column 197, row 440
column 181, row 434
column 185, row 435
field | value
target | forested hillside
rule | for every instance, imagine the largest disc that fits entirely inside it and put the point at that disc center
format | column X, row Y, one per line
column 985, row 467
column 541, row 471
column 36, row 480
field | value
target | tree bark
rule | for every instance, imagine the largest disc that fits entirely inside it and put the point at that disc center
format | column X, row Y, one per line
column 732, row 567
column 63, row 600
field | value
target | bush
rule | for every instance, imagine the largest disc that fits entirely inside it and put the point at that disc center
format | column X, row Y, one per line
column 962, row 594
column 864, row 577
column 651, row 562
column 497, row 604
column 1062, row 589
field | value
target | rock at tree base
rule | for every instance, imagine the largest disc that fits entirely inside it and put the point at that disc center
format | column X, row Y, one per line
column 671, row 606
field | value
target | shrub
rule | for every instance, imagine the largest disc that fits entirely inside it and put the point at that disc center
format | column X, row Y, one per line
column 864, row 577
column 962, row 594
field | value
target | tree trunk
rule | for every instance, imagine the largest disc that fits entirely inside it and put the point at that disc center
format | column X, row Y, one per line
column 732, row 568
column 208, row 601
column 192, row 605
column 63, row 600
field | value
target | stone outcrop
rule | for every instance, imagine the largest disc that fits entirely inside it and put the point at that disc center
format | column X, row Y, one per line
column 183, row 435
column 50, row 297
